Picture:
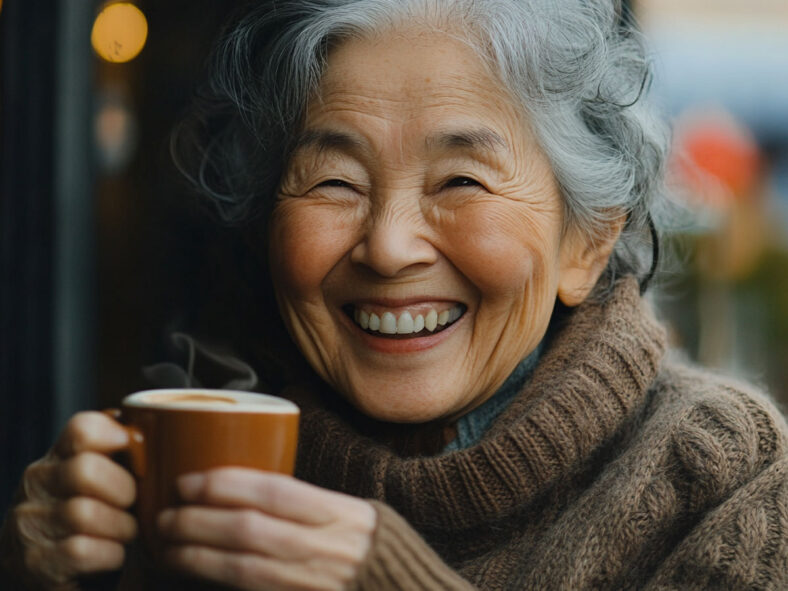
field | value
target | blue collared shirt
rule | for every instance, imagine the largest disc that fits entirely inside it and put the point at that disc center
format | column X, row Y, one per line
column 472, row 426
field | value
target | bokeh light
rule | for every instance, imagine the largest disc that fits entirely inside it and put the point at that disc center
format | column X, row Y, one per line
column 716, row 157
column 114, row 131
column 119, row 32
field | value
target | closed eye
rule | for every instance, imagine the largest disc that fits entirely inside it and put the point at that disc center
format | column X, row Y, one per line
column 461, row 181
column 335, row 183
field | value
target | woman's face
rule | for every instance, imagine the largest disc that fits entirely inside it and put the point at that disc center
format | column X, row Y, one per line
column 416, row 246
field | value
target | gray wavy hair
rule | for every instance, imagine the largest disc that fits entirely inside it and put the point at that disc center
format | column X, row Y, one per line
column 577, row 68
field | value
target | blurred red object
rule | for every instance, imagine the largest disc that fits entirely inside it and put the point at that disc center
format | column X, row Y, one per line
column 716, row 157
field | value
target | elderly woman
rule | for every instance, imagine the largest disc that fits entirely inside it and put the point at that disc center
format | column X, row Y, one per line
column 453, row 202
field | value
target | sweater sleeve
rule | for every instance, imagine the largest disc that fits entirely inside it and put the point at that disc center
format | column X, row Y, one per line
column 400, row 560
column 742, row 544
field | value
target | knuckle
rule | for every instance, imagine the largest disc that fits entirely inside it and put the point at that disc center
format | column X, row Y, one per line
column 240, row 570
column 84, row 461
column 369, row 518
column 343, row 573
column 346, row 574
column 219, row 484
column 76, row 550
column 272, row 496
column 78, row 430
column 182, row 555
column 126, row 490
column 185, row 523
column 116, row 555
column 84, row 470
column 246, row 530
column 214, row 483
column 78, row 512
column 181, row 522
column 226, row 473
column 72, row 478
column 328, row 575
column 340, row 579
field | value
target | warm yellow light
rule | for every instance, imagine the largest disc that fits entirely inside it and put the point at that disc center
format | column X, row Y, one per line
column 119, row 32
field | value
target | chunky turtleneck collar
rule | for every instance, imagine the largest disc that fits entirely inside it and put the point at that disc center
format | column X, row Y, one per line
column 592, row 375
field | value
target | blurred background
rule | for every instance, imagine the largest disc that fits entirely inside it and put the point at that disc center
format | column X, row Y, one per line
column 103, row 251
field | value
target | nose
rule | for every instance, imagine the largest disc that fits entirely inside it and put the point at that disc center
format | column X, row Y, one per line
column 394, row 242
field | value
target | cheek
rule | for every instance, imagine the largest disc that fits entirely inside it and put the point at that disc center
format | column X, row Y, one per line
column 306, row 242
column 502, row 250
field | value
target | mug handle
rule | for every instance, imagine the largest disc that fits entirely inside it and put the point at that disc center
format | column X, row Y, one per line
column 136, row 448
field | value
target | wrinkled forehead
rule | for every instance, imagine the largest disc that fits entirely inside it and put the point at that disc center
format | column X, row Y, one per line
column 407, row 75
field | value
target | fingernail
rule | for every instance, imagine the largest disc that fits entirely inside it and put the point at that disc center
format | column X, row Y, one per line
column 190, row 485
column 165, row 518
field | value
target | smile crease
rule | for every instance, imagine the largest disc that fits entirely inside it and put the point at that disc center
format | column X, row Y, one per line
column 405, row 324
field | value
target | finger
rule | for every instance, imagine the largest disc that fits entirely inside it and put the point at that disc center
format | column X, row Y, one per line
column 276, row 494
column 95, row 475
column 88, row 516
column 91, row 431
column 250, row 571
column 80, row 554
column 35, row 524
column 243, row 530
column 40, row 479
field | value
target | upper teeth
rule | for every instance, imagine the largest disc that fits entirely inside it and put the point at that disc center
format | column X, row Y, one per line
column 388, row 323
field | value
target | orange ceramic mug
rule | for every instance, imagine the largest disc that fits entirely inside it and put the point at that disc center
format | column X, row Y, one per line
column 177, row 431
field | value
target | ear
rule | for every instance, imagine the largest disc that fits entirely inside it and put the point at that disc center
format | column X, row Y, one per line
column 582, row 259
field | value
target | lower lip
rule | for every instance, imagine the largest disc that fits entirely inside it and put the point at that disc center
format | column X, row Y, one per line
column 394, row 346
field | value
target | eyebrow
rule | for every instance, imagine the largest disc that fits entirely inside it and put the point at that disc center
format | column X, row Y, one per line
column 468, row 139
column 325, row 139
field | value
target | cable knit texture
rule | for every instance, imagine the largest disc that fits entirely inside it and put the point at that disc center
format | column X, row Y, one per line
column 614, row 468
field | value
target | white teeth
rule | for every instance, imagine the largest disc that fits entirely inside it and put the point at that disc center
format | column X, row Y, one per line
column 405, row 324
column 388, row 323
column 431, row 321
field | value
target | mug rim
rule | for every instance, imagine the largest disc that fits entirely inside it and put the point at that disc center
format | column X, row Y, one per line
column 247, row 402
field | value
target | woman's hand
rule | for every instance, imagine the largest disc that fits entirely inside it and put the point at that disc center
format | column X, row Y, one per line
column 259, row 530
column 70, row 519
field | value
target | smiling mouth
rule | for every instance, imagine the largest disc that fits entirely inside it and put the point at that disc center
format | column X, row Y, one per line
column 404, row 324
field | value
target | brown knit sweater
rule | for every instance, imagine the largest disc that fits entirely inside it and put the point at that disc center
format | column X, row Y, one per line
column 614, row 468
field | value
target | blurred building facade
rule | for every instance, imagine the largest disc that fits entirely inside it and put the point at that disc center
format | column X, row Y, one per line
column 722, row 76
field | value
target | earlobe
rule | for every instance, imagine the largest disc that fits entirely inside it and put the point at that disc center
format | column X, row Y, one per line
column 574, row 286
column 583, row 258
